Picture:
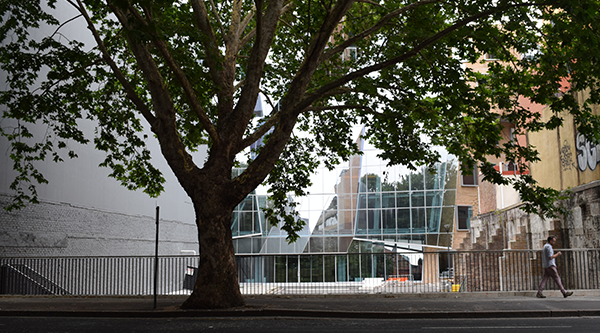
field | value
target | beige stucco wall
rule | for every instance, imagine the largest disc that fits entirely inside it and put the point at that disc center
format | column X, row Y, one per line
column 567, row 159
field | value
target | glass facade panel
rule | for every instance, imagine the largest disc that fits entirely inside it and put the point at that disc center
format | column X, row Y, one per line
column 365, row 199
column 273, row 245
column 246, row 223
column 280, row 269
column 433, row 178
column 403, row 183
column 361, row 223
column 342, row 268
column 257, row 244
column 434, row 216
column 417, row 199
column 244, row 245
column 292, row 269
column 417, row 181
column 403, row 218
column 315, row 244
column 329, row 268
column 388, row 200
column 374, row 221
column 433, row 198
column 418, row 220
column 450, row 176
column 375, row 200
column 345, row 244
column 330, row 244
column 403, row 199
column 449, row 198
column 447, row 219
column 354, row 267
column 317, row 269
column 305, row 268
column 389, row 221
column 269, row 269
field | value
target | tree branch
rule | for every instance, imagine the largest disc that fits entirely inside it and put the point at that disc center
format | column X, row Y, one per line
column 188, row 90
column 243, row 27
column 348, row 42
column 129, row 90
column 213, row 56
column 244, row 108
column 216, row 14
column 342, row 107
column 398, row 59
column 183, row 81
column 233, row 36
column 262, row 130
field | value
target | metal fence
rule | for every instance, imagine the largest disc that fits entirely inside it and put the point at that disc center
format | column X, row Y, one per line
column 94, row 276
column 301, row 274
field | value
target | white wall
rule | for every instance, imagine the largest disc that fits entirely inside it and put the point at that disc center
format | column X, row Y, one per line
column 80, row 181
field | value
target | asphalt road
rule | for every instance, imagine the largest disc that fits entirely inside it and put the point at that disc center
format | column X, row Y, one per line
column 292, row 325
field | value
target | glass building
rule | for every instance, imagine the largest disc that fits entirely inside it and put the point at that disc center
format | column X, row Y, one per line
column 364, row 206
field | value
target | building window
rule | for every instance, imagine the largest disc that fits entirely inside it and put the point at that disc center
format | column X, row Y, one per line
column 468, row 177
column 463, row 217
column 490, row 56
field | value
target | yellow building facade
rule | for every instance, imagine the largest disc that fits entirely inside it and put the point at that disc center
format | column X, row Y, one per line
column 568, row 159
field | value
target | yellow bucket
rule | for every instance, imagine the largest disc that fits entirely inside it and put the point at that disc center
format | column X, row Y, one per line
column 455, row 288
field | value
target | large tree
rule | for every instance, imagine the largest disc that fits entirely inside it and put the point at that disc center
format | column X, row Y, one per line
column 191, row 72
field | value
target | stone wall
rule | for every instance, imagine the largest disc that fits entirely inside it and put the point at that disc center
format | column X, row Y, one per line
column 60, row 229
column 582, row 226
column 513, row 229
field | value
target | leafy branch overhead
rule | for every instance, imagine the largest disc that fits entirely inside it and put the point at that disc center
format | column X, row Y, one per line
column 191, row 71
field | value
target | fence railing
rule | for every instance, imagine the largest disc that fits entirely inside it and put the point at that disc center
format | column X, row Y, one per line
column 352, row 273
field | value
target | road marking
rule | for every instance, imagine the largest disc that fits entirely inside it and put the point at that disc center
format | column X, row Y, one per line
column 490, row 327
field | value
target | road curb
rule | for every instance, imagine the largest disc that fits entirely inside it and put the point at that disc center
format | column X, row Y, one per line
column 303, row 314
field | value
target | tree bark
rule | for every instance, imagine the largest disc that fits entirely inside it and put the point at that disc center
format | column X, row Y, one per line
column 217, row 284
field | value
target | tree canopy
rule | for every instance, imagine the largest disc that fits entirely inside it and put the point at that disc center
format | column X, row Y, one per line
column 191, row 71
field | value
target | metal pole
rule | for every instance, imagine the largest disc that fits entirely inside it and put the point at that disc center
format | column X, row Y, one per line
column 156, row 258
column 447, row 227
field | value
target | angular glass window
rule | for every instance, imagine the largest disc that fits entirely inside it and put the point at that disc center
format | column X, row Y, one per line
column 434, row 216
column 434, row 198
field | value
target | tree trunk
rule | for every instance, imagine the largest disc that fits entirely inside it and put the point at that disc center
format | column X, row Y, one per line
column 217, row 285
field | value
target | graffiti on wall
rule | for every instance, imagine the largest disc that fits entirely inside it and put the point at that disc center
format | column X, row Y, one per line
column 566, row 156
column 588, row 155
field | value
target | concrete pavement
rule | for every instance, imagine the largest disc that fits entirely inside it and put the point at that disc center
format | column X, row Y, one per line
column 401, row 306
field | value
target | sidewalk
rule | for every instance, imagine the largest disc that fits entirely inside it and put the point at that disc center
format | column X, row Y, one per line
column 435, row 305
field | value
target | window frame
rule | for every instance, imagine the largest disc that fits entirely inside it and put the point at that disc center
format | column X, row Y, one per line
column 469, row 217
column 475, row 175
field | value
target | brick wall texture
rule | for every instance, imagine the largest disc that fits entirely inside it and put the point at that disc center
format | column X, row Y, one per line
column 59, row 229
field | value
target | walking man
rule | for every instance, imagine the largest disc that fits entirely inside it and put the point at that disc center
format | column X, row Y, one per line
column 549, row 265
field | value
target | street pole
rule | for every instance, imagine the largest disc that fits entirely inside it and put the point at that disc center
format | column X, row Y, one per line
column 156, row 258
column 447, row 227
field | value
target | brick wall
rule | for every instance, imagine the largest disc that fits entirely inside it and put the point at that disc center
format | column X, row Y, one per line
column 59, row 229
